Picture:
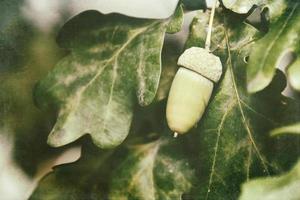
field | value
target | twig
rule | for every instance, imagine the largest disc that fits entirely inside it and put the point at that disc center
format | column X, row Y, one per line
column 210, row 24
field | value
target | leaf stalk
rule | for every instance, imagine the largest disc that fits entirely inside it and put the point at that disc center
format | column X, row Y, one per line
column 211, row 19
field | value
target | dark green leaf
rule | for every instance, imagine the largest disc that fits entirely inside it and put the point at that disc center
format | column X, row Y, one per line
column 194, row 5
column 234, row 132
column 149, row 172
column 155, row 170
column 113, row 59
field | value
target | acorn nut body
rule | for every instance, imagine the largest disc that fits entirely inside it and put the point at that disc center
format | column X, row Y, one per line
column 192, row 88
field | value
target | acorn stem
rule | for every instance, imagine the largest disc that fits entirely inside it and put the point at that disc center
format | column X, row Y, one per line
column 175, row 134
column 211, row 19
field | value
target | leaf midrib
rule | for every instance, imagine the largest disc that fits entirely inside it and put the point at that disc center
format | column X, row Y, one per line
column 115, row 56
column 241, row 108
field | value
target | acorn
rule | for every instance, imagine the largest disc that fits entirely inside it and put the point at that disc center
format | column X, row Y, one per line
column 192, row 88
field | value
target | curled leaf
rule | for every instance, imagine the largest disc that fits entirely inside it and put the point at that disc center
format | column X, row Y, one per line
column 267, row 53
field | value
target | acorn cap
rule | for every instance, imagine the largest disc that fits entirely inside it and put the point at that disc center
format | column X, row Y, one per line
column 203, row 62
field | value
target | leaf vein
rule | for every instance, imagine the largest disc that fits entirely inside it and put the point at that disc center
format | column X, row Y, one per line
column 212, row 171
column 249, row 132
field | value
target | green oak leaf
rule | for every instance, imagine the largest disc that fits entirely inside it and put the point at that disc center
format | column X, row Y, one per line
column 150, row 172
column 267, row 53
column 114, row 60
column 285, row 186
column 234, row 143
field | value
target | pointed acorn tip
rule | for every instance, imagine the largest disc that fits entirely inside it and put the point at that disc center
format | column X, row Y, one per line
column 175, row 135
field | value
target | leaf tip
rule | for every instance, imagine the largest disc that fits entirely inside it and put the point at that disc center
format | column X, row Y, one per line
column 107, row 142
column 274, row 133
column 258, row 83
column 144, row 98
column 53, row 142
column 58, row 138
